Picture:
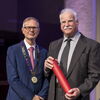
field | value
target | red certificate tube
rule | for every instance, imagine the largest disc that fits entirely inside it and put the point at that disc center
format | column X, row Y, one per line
column 60, row 76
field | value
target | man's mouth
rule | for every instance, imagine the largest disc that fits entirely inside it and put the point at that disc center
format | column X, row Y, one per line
column 31, row 33
column 67, row 27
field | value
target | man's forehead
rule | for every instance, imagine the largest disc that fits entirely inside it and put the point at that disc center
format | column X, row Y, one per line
column 67, row 14
column 67, row 17
column 30, row 22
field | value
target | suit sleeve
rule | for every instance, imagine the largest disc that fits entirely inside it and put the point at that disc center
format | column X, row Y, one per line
column 13, row 78
column 44, row 91
column 93, row 71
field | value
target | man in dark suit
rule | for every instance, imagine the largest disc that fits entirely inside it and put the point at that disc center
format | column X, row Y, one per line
column 82, row 65
column 25, row 66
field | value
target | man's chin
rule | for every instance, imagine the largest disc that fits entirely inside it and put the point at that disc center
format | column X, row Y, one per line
column 31, row 39
column 68, row 34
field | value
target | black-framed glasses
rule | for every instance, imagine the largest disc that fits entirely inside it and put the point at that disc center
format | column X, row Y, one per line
column 30, row 27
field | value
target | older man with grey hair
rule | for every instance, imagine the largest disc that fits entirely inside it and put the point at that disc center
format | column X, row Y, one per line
column 25, row 65
column 78, row 57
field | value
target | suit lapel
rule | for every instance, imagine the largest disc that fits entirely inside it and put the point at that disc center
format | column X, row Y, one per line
column 22, row 44
column 58, row 48
column 37, row 57
column 26, row 56
column 77, row 53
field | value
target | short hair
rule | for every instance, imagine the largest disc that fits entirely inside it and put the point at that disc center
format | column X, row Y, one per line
column 66, row 10
column 30, row 18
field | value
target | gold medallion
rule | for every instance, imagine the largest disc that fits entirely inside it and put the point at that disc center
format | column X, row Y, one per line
column 34, row 79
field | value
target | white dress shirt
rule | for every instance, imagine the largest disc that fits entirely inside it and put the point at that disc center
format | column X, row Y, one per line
column 28, row 46
column 72, row 47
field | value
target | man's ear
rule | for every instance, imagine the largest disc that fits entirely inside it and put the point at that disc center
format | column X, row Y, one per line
column 22, row 30
column 39, row 30
column 77, row 22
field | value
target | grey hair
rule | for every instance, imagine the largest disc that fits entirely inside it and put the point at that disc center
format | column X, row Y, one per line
column 30, row 18
column 66, row 10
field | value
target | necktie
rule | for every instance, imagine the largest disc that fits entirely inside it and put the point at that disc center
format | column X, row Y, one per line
column 64, row 57
column 31, row 56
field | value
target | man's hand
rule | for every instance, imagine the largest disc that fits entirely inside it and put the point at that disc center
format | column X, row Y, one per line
column 36, row 97
column 48, row 63
column 72, row 94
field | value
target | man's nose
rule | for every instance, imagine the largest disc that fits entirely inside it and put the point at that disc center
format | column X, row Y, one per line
column 31, row 29
column 67, row 24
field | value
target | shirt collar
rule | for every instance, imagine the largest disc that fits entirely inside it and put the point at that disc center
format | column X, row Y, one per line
column 77, row 35
column 28, row 46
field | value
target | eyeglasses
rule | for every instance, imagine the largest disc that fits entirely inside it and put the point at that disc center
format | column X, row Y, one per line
column 30, row 27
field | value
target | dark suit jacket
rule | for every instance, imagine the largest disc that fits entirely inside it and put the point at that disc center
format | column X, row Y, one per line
column 84, row 69
column 19, row 76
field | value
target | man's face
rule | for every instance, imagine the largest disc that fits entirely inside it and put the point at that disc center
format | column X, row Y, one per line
column 30, row 29
column 69, row 25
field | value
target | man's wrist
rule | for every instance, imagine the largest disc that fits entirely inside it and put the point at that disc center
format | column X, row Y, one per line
column 41, row 98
